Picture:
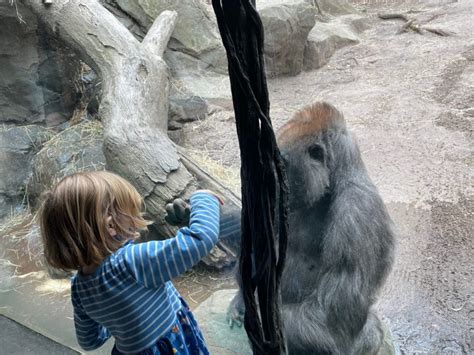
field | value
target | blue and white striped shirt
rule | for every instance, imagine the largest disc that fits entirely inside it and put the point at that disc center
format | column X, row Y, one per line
column 130, row 295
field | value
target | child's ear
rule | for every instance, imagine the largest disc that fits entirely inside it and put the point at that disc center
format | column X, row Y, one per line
column 110, row 226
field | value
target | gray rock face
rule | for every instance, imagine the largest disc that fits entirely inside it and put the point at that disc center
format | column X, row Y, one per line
column 77, row 148
column 21, row 99
column 195, row 33
column 287, row 24
column 17, row 148
column 35, row 72
column 325, row 38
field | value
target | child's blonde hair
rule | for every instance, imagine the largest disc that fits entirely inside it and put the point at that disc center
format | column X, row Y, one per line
column 73, row 218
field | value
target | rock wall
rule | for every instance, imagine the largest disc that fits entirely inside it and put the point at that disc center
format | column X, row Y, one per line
column 35, row 71
column 195, row 42
column 21, row 99
column 286, row 24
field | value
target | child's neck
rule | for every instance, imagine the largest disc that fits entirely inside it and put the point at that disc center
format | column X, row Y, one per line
column 88, row 269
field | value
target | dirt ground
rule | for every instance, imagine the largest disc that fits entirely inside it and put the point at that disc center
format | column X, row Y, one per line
column 409, row 99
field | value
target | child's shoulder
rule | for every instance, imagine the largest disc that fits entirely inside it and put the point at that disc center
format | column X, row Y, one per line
column 122, row 256
column 121, row 252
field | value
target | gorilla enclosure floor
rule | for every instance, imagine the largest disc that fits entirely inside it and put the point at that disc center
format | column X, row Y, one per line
column 409, row 99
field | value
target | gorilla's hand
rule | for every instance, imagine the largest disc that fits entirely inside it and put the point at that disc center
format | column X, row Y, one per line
column 236, row 311
column 177, row 213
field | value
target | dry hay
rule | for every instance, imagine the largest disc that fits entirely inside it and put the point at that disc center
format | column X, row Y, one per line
column 90, row 130
column 20, row 247
column 17, row 224
column 21, row 253
column 228, row 176
column 86, row 133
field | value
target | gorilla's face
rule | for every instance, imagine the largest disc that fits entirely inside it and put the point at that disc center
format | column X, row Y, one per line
column 308, row 174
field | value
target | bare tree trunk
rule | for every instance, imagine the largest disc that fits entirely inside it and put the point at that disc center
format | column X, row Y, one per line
column 134, row 105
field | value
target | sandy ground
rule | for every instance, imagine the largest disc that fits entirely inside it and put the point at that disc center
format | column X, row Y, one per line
column 409, row 99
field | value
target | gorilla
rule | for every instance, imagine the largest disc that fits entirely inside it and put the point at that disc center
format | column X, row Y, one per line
column 340, row 244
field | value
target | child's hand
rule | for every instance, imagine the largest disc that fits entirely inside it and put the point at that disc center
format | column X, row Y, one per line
column 178, row 213
column 219, row 198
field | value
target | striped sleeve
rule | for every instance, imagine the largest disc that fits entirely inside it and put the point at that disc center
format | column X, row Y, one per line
column 90, row 334
column 156, row 262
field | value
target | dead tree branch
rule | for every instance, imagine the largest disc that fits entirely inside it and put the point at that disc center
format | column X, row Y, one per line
column 160, row 32
column 393, row 16
column 414, row 24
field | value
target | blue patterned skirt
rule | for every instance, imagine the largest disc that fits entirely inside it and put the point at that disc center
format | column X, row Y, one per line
column 184, row 338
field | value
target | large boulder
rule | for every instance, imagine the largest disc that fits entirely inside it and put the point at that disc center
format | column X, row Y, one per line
column 286, row 24
column 77, row 148
column 35, row 71
column 17, row 148
column 184, row 108
column 326, row 37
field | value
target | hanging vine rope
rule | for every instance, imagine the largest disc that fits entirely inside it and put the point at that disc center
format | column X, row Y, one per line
column 264, row 186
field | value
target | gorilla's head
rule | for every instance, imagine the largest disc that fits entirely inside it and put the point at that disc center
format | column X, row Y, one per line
column 306, row 143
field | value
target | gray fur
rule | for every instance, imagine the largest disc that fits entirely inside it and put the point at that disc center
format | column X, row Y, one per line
column 340, row 248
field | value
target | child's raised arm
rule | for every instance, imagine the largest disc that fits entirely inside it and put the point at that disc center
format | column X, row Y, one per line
column 153, row 263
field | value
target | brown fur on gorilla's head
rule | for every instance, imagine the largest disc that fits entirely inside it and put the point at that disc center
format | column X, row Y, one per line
column 313, row 119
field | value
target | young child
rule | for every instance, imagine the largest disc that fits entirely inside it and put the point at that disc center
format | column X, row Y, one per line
column 88, row 223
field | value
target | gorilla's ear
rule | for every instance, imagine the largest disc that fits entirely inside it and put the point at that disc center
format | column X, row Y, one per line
column 317, row 152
